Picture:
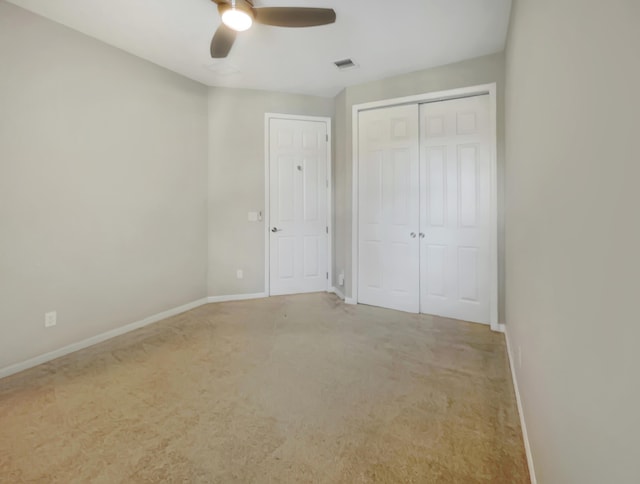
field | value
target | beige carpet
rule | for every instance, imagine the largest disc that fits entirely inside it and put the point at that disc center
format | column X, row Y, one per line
column 285, row 390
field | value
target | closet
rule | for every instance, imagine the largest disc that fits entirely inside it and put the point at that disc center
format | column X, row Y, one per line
column 424, row 208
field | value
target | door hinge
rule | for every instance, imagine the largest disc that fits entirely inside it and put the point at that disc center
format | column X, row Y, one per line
column 326, row 137
column 327, row 276
column 327, row 229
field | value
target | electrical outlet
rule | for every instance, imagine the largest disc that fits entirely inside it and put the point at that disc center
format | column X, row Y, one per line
column 519, row 357
column 50, row 319
column 239, row 274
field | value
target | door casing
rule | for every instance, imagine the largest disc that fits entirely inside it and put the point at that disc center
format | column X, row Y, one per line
column 488, row 89
column 267, row 194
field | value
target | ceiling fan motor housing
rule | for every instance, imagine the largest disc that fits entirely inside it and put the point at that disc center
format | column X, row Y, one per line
column 243, row 5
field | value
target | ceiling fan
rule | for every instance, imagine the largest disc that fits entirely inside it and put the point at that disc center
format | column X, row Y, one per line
column 239, row 15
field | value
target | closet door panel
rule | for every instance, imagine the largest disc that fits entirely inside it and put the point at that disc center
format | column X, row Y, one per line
column 455, row 223
column 388, row 205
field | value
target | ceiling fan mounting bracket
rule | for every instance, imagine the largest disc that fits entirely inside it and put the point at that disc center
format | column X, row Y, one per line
column 229, row 3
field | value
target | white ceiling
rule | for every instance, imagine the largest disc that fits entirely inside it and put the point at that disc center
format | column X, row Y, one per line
column 385, row 37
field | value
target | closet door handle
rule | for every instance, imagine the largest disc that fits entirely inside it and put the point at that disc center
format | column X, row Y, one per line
column 413, row 235
column 422, row 235
column 276, row 229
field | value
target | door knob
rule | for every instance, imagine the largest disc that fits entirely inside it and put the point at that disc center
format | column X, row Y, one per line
column 276, row 229
column 413, row 235
column 422, row 235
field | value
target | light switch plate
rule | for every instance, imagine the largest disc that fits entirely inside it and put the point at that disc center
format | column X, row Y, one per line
column 50, row 319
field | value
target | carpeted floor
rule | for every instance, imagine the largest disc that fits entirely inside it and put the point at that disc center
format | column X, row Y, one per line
column 288, row 389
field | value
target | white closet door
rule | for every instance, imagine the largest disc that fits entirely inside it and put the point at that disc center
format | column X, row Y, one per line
column 298, row 200
column 455, row 206
column 388, row 255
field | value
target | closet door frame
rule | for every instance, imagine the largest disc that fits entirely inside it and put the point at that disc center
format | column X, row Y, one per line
column 483, row 89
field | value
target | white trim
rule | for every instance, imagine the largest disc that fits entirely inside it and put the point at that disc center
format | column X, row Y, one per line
column 428, row 97
column 86, row 343
column 493, row 191
column 354, row 204
column 236, row 297
column 489, row 89
column 350, row 300
column 267, row 210
column 523, row 424
column 329, row 206
column 267, row 206
column 338, row 292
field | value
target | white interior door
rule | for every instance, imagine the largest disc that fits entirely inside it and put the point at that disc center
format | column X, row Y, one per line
column 455, row 207
column 388, row 222
column 298, row 206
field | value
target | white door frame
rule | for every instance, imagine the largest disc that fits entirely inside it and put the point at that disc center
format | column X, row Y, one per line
column 482, row 89
column 267, row 194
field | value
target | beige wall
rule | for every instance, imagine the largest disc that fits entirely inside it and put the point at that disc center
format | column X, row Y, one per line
column 573, row 232
column 236, row 181
column 102, row 187
column 482, row 70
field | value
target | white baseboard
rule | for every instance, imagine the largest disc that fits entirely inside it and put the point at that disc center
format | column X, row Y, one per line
column 523, row 425
column 236, row 297
column 350, row 300
column 337, row 292
column 65, row 350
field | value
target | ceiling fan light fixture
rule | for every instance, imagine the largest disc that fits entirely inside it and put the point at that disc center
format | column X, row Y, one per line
column 237, row 19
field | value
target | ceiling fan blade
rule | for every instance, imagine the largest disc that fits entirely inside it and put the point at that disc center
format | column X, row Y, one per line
column 222, row 42
column 294, row 16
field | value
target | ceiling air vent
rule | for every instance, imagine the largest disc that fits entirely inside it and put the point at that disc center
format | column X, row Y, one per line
column 345, row 64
